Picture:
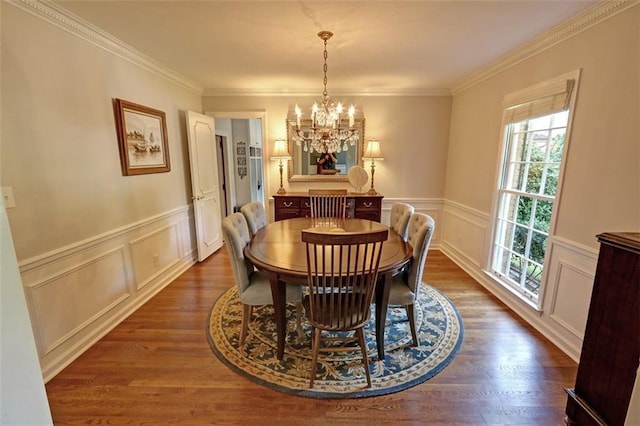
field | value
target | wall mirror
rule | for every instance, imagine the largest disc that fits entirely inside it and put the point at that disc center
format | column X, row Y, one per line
column 302, row 167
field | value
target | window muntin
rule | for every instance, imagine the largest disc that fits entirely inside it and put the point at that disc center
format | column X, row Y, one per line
column 526, row 196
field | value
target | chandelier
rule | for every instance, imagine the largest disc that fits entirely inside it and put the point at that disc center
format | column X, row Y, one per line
column 326, row 133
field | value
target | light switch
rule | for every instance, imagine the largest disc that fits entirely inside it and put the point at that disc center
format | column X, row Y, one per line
column 7, row 194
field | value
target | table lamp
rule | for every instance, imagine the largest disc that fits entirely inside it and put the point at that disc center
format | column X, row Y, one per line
column 373, row 153
column 280, row 152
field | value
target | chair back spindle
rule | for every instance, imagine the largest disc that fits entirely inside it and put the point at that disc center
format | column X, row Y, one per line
column 328, row 202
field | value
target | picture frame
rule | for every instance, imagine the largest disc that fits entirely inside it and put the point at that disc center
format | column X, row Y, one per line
column 142, row 139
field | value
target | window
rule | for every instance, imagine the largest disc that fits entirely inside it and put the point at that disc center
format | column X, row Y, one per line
column 535, row 136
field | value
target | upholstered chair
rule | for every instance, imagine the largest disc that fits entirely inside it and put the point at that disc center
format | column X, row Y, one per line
column 405, row 286
column 253, row 286
column 255, row 215
column 400, row 214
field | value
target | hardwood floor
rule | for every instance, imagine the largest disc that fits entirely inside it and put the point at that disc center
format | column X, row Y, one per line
column 157, row 368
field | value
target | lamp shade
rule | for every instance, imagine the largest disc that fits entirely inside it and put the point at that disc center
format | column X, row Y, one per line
column 280, row 150
column 373, row 151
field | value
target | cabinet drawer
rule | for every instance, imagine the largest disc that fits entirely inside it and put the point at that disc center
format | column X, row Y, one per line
column 368, row 204
column 286, row 214
column 370, row 215
column 287, row 203
column 368, row 208
column 286, row 207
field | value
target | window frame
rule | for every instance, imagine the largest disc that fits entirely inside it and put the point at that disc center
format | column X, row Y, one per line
column 529, row 95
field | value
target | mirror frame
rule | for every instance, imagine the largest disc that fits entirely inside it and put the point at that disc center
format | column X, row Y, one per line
column 306, row 123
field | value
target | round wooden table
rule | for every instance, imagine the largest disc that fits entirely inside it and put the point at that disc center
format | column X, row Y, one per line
column 278, row 250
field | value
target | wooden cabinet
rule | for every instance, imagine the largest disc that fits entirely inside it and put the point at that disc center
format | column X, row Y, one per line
column 293, row 204
column 611, row 346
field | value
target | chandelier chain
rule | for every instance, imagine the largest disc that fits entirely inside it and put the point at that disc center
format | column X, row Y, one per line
column 327, row 133
column 325, row 93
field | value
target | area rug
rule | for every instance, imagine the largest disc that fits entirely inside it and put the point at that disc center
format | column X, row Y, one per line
column 339, row 374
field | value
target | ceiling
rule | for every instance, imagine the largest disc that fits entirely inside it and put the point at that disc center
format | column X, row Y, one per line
column 378, row 47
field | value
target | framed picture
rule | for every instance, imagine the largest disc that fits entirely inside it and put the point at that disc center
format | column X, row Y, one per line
column 142, row 139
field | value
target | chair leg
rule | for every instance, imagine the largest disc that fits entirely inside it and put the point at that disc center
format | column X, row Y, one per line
column 247, row 310
column 412, row 323
column 365, row 357
column 316, row 349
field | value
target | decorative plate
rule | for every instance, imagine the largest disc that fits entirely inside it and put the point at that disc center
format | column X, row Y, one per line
column 358, row 177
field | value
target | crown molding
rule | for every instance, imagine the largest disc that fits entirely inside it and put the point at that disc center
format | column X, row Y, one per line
column 589, row 18
column 334, row 92
column 58, row 16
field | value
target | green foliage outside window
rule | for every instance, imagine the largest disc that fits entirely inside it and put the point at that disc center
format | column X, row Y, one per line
column 540, row 210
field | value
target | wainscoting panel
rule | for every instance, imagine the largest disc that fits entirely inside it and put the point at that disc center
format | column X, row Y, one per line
column 466, row 239
column 154, row 253
column 570, row 282
column 466, row 231
column 88, row 290
column 76, row 294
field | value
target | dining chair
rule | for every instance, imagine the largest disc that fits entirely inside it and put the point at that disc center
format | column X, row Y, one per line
column 328, row 203
column 399, row 219
column 255, row 215
column 405, row 287
column 253, row 286
column 342, row 269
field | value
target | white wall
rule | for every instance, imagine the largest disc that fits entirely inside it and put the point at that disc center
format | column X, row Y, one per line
column 92, row 245
column 601, row 189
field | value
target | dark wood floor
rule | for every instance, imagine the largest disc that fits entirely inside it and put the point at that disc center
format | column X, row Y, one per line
column 157, row 368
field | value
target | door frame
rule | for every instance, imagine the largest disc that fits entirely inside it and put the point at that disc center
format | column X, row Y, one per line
column 227, row 160
column 245, row 115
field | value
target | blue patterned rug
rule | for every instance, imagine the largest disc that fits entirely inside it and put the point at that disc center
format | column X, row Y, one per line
column 339, row 374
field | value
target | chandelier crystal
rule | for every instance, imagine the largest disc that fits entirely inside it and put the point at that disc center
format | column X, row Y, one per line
column 326, row 133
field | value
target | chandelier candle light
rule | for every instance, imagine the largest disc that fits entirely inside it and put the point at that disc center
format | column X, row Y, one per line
column 373, row 153
column 280, row 152
column 326, row 133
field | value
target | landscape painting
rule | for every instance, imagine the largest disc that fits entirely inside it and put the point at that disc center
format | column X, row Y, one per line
column 142, row 138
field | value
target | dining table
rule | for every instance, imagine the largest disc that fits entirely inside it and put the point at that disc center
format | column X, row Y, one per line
column 278, row 251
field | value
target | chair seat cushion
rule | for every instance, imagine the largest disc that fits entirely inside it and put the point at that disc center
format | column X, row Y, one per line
column 400, row 293
column 259, row 291
column 327, row 319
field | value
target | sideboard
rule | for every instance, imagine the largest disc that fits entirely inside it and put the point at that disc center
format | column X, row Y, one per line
column 296, row 204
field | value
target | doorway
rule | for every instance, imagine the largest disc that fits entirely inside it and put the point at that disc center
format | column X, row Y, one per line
column 241, row 140
column 221, row 142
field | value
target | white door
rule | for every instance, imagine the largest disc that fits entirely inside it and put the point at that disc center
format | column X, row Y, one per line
column 204, row 183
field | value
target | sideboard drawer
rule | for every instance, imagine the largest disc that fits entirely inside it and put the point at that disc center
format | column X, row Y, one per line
column 305, row 207
column 369, row 208
column 287, row 203
column 286, row 207
column 368, row 204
